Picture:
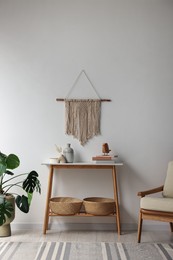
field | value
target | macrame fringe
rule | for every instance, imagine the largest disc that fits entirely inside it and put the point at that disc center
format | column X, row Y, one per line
column 82, row 118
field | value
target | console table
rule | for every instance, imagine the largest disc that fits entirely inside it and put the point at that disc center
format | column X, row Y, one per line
column 53, row 167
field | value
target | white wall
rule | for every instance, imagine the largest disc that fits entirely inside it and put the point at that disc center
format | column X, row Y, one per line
column 126, row 49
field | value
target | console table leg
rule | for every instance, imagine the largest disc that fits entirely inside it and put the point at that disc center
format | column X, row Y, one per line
column 116, row 199
column 49, row 191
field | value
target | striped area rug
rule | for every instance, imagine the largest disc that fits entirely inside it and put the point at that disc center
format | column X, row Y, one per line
column 84, row 251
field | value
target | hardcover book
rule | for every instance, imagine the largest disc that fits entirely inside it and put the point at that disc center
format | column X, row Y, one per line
column 104, row 157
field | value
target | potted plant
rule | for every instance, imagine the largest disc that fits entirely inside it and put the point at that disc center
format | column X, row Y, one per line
column 9, row 180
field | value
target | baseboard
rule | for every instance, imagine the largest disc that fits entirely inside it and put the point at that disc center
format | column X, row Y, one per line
column 89, row 226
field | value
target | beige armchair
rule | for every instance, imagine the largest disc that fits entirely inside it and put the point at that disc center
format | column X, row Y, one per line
column 154, row 208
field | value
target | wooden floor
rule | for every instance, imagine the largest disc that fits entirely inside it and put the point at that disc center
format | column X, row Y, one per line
column 89, row 236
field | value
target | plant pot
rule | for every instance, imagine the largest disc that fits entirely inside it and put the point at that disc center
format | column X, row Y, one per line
column 5, row 229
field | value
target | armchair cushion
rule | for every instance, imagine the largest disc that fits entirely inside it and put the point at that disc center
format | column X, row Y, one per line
column 168, row 186
column 158, row 204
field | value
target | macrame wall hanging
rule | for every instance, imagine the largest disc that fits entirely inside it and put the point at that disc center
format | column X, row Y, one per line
column 82, row 116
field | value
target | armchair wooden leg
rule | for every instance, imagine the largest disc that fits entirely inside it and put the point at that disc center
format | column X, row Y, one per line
column 140, row 227
column 171, row 226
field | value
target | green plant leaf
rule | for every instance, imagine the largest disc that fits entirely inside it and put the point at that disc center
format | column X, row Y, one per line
column 12, row 161
column 30, row 195
column 3, row 164
column 30, row 182
column 2, row 157
column 38, row 186
column 2, row 217
column 22, row 203
column 2, row 168
column 9, row 173
column 5, row 211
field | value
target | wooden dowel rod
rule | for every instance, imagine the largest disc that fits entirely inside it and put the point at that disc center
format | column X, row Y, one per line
column 102, row 100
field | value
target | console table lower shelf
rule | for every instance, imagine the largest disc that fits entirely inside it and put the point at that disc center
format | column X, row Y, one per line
column 52, row 167
column 81, row 214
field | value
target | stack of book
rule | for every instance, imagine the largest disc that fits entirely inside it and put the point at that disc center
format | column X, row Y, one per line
column 105, row 158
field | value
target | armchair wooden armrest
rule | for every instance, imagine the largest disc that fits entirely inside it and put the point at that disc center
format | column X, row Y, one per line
column 147, row 192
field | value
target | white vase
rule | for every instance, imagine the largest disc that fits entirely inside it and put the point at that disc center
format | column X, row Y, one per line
column 68, row 153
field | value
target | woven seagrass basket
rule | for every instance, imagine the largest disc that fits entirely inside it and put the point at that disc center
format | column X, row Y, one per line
column 65, row 205
column 99, row 206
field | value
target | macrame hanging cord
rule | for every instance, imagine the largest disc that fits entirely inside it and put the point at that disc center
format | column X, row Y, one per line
column 82, row 116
